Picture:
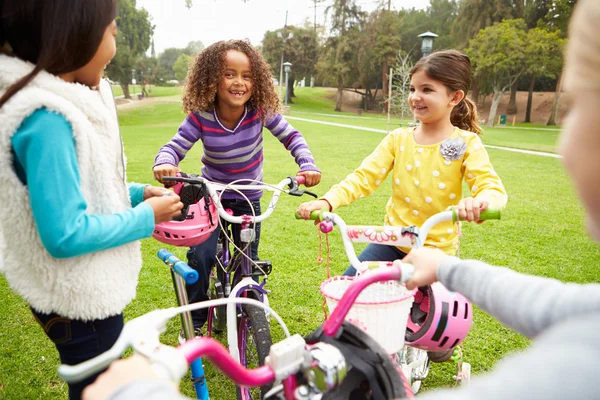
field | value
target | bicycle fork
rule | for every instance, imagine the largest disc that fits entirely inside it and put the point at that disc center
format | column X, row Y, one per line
column 197, row 369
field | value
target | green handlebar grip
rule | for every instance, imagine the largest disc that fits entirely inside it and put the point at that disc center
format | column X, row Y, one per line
column 490, row 213
column 314, row 215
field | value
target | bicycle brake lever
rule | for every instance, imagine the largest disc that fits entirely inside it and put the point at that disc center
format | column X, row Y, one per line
column 299, row 193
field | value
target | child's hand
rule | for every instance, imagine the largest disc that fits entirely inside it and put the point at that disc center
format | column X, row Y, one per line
column 426, row 262
column 312, row 177
column 469, row 208
column 153, row 191
column 166, row 206
column 165, row 170
column 305, row 209
column 120, row 373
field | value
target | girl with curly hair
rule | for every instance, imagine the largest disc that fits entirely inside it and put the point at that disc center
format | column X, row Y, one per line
column 229, row 98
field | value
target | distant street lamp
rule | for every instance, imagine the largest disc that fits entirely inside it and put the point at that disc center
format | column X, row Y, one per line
column 287, row 66
column 427, row 42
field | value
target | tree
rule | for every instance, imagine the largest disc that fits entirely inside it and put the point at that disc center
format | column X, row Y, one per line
column 544, row 51
column 338, row 51
column 401, row 85
column 300, row 50
column 475, row 15
column 194, row 48
column 135, row 32
column 166, row 61
column 499, row 57
column 180, row 68
column 557, row 19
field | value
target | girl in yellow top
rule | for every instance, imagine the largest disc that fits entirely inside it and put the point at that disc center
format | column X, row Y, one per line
column 427, row 163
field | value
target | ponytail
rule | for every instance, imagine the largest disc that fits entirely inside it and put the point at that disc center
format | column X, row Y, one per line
column 466, row 117
column 20, row 84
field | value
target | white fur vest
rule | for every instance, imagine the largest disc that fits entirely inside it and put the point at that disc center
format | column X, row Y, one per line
column 92, row 286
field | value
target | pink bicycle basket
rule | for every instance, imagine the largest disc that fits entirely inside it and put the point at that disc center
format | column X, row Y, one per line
column 439, row 319
column 197, row 222
column 381, row 309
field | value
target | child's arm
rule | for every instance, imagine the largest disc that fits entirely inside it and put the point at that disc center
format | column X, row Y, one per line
column 47, row 163
column 293, row 141
column 189, row 132
column 481, row 177
column 366, row 178
column 526, row 303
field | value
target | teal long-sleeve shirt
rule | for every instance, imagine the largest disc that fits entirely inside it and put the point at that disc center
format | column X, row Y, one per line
column 45, row 160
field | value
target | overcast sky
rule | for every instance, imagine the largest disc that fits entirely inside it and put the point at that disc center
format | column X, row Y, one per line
column 214, row 20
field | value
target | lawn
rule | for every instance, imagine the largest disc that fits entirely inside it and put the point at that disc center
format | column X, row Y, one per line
column 541, row 233
column 154, row 91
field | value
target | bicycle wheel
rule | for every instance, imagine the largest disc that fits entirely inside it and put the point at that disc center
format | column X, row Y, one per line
column 254, row 342
column 355, row 386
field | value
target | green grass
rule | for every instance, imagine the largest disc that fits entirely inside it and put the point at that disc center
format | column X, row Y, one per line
column 313, row 104
column 156, row 91
column 541, row 233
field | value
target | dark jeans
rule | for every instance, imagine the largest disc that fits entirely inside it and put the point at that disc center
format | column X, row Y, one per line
column 204, row 256
column 377, row 252
column 78, row 341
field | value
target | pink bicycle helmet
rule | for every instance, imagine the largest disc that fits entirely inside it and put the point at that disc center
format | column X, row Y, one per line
column 197, row 221
column 439, row 319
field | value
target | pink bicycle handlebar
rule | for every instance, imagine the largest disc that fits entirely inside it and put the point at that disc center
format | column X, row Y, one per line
column 335, row 320
column 301, row 179
column 220, row 357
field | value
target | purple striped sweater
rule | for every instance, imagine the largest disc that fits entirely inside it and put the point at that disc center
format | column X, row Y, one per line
column 234, row 154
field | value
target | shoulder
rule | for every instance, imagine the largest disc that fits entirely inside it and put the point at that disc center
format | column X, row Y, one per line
column 468, row 136
column 399, row 135
column 42, row 120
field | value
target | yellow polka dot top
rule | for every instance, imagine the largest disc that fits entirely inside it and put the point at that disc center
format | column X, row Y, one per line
column 426, row 179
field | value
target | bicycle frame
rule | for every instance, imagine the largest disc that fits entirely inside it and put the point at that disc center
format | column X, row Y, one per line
column 322, row 365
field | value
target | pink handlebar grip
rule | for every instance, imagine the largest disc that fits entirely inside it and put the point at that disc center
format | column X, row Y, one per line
column 335, row 320
column 301, row 179
column 218, row 355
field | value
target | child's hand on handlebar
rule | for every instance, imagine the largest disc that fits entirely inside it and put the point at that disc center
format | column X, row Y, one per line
column 120, row 373
column 469, row 208
column 163, row 170
column 166, row 206
column 312, row 177
column 305, row 209
column 426, row 262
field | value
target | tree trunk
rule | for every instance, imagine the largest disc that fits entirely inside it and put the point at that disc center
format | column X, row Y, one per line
column 494, row 107
column 340, row 94
column 512, row 103
column 289, row 92
column 384, row 81
column 475, row 90
column 125, row 88
column 552, row 119
column 530, row 98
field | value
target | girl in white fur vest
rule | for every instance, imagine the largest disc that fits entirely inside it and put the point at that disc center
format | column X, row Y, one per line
column 69, row 223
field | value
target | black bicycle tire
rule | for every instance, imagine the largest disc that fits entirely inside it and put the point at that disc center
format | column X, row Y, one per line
column 261, row 332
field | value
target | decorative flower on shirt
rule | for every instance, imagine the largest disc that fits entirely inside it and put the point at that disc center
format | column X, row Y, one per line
column 453, row 148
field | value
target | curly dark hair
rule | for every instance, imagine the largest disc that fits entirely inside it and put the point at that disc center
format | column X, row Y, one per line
column 208, row 68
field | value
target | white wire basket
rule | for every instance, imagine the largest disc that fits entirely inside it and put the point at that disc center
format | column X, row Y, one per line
column 381, row 309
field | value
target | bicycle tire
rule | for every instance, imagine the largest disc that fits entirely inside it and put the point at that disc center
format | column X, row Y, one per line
column 254, row 321
column 356, row 386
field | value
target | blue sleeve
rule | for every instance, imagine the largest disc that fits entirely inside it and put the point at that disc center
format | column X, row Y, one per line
column 44, row 151
column 136, row 193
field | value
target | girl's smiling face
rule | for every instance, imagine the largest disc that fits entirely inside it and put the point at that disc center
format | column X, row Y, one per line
column 430, row 100
column 91, row 73
column 235, row 86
